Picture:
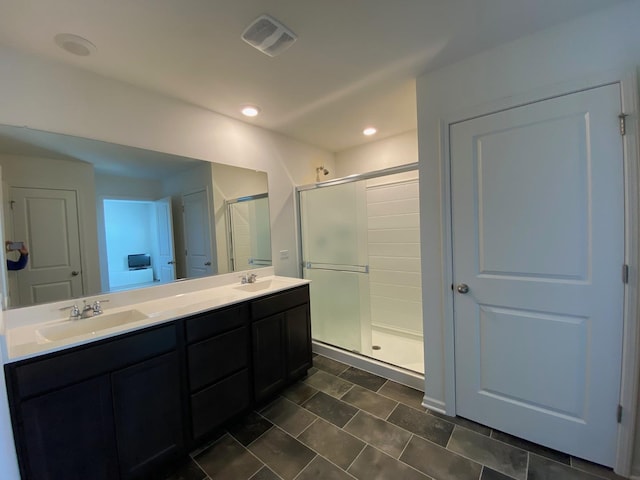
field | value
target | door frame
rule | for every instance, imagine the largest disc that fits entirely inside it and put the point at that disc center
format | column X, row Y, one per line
column 630, row 367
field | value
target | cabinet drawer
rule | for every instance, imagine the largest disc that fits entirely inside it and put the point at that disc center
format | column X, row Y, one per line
column 57, row 370
column 217, row 357
column 218, row 321
column 279, row 302
column 219, row 402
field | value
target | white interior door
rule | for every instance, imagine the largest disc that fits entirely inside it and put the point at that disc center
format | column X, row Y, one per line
column 538, row 238
column 197, row 234
column 166, row 254
column 47, row 221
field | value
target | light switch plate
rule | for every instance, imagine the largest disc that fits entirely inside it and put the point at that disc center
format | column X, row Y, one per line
column 284, row 254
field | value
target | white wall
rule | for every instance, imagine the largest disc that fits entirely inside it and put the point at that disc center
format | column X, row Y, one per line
column 570, row 52
column 115, row 186
column 389, row 152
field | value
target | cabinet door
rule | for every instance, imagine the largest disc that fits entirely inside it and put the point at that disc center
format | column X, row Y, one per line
column 68, row 434
column 269, row 359
column 148, row 414
column 298, row 326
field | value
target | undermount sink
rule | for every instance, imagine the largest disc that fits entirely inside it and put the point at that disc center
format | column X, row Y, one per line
column 88, row 326
column 260, row 285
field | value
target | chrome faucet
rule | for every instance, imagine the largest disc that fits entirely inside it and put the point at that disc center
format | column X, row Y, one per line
column 88, row 310
column 248, row 278
column 74, row 311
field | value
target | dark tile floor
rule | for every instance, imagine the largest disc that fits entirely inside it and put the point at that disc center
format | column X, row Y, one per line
column 343, row 423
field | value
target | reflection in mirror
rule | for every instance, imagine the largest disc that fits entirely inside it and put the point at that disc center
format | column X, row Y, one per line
column 98, row 217
column 249, row 232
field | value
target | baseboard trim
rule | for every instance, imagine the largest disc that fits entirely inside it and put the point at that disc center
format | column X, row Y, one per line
column 434, row 404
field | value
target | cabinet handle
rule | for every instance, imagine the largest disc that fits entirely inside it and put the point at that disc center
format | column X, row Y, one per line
column 75, row 273
column 207, row 264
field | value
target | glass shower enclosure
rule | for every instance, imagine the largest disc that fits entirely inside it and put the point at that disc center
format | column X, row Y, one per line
column 360, row 245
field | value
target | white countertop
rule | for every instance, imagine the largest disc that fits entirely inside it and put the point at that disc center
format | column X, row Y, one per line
column 26, row 336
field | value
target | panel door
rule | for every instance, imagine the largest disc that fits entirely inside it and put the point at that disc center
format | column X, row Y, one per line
column 298, row 329
column 197, row 234
column 47, row 221
column 538, row 239
column 148, row 414
column 166, row 255
column 68, row 434
column 269, row 356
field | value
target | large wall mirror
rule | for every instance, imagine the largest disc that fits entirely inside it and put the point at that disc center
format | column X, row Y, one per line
column 97, row 217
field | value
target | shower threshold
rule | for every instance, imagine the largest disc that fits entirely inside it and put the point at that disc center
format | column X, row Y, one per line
column 372, row 365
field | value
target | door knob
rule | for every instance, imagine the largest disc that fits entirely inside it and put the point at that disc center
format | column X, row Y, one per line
column 208, row 264
column 172, row 262
column 75, row 273
column 462, row 288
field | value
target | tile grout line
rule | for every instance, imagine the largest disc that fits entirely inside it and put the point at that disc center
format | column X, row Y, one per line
column 391, row 412
column 571, row 466
column 356, row 457
column 401, row 462
column 347, row 391
column 270, row 469
column 472, row 459
column 405, row 446
column 308, row 427
column 250, row 452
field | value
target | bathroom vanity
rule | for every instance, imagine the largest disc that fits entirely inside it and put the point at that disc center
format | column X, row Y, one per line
column 125, row 403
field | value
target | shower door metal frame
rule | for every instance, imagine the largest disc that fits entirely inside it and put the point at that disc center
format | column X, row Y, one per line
column 409, row 167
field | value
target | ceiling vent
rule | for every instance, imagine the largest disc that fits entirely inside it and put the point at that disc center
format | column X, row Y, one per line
column 269, row 36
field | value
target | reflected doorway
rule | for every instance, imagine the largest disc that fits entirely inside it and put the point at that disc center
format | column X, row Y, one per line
column 137, row 227
column 46, row 220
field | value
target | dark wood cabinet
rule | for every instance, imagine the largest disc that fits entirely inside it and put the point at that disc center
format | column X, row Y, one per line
column 269, row 364
column 68, row 433
column 147, row 410
column 281, row 341
column 298, row 330
column 123, row 407
column 218, row 368
column 107, row 410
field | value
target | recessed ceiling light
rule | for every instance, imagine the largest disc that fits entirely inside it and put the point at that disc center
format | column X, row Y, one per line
column 369, row 131
column 250, row 110
column 74, row 44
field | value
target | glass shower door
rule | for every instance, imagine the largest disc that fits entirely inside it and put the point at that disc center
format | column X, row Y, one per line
column 334, row 250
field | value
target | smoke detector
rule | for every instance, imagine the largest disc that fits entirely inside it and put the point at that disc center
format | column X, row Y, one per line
column 269, row 36
column 74, row 44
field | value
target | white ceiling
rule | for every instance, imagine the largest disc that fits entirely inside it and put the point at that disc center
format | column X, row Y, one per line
column 354, row 64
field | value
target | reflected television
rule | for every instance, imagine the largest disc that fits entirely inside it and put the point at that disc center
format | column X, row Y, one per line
column 139, row 261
